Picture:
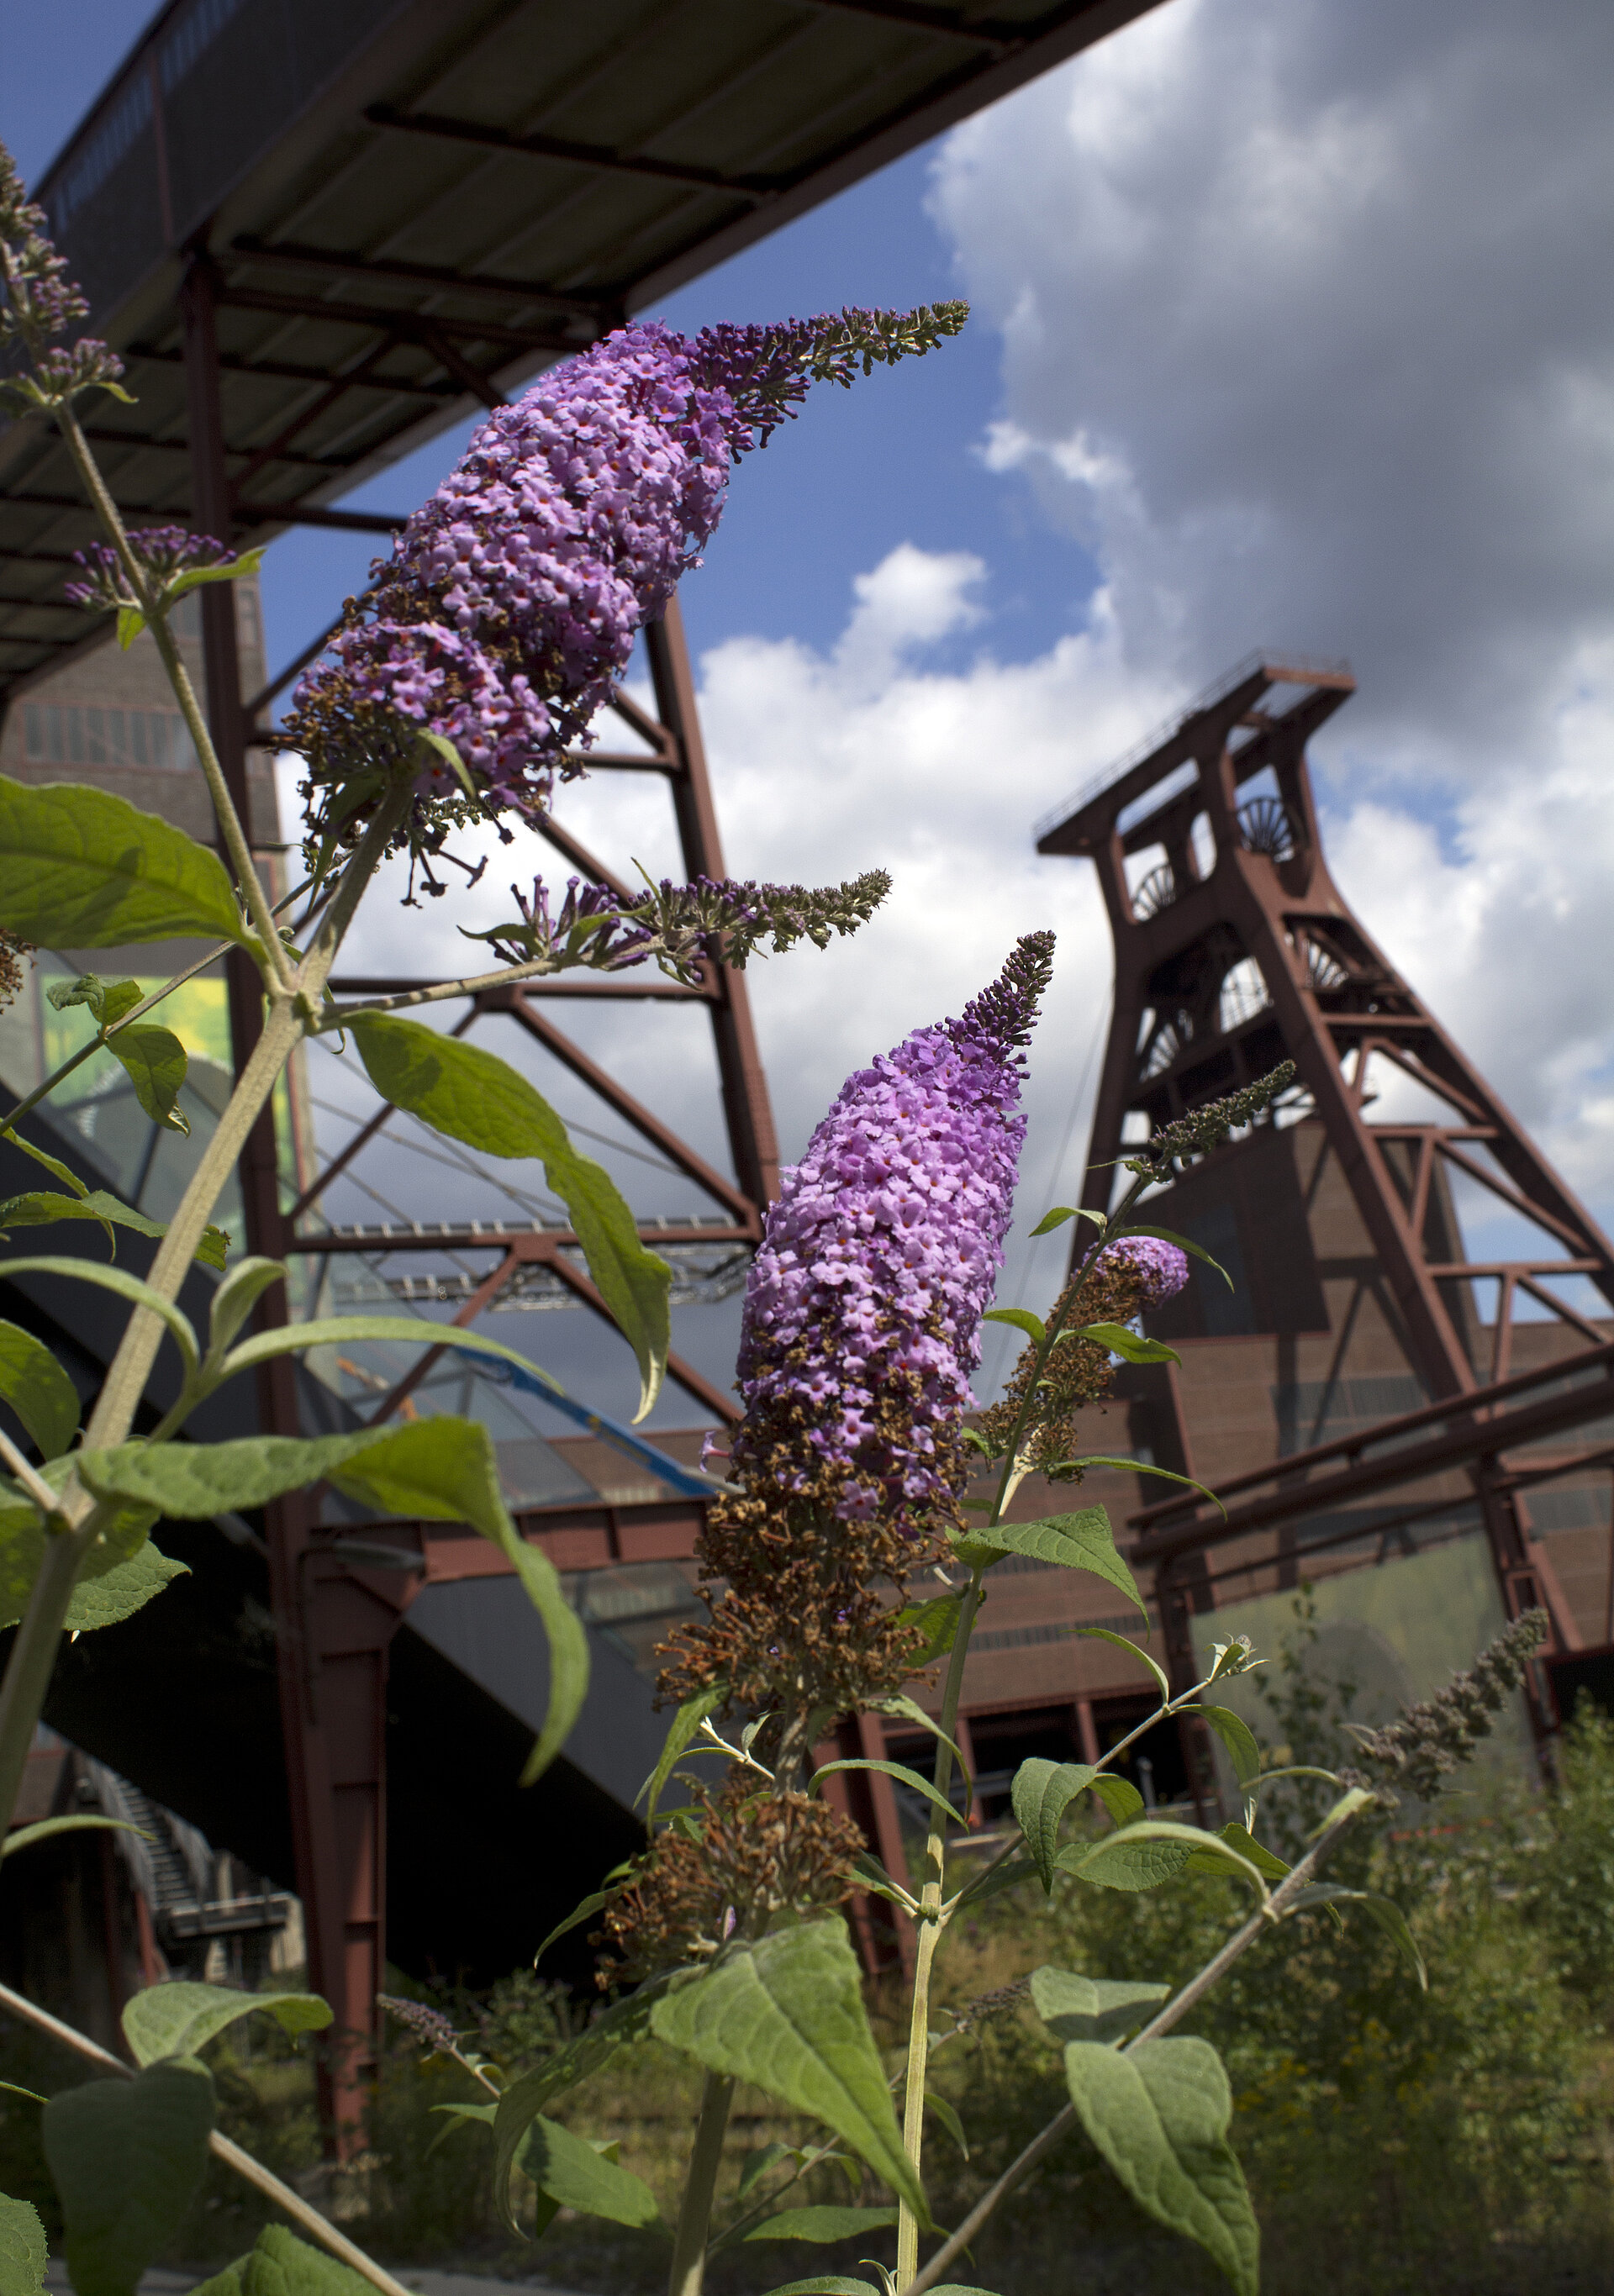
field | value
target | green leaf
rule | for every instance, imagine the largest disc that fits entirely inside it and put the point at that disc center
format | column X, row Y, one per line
column 121, row 1570
column 179, row 2019
column 124, row 1589
column 23, row 1837
column 441, row 1469
column 38, row 1391
column 1021, row 1318
column 1147, row 1467
column 909, row 1778
column 473, row 1096
column 1097, row 2009
column 68, row 1180
column 236, row 1299
column 1383, row 1911
column 446, row 750
column 1265, row 1860
column 616, row 2028
column 32, row 2095
column 214, row 1249
column 946, row 2114
column 1126, row 1865
column 1081, row 1541
column 1119, row 1797
column 1160, row 2115
column 1170, row 1236
column 684, row 1730
column 575, row 2176
column 1063, row 1212
column 1041, row 1793
column 128, row 2158
column 22, row 2248
column 1207, row 1852
column 1103, row 1635
column 281, row 2265
column 938, row 1621
column 131, row 621
column 1127, row 1344
column 832, row 2285
column 757, row 2164
column 579, row 1913
column 114, row 1279
column 909, row 1710
column 339, row 1330
column 787, row 2014
column 82, row 869
column 154, row 1062
column 822, row 2224
column 109, row 1001
column 248, row 562
column 1237, row 1736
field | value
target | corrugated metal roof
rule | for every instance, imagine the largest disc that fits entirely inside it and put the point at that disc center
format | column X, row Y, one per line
column 405, row 202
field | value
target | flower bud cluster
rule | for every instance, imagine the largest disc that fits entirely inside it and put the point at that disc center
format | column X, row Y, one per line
column 511, row 603
column 1419, row 1750
column 1206, row 1127
column 679, row 925
column 39, row 302
column 165, row 554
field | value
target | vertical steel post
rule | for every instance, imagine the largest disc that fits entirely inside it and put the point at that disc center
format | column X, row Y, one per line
column 312, row 1757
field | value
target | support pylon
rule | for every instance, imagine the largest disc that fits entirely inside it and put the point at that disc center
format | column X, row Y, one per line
column 1236, row 951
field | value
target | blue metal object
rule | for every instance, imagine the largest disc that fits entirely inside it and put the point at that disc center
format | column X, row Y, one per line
column 690, row 1482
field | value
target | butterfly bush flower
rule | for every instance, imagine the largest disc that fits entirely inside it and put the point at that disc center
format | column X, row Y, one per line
column 511, row 603
column 168, row 554
column 38, row 301
column 861, row 1327
column 1160, row 1267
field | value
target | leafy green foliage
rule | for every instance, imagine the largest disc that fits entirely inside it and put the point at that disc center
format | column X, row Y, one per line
column 45, row 1829
column 822, row 2223
column 38, row 1391
column 473, row 1096
column 117, row 1279
column 573, row 2174
column 154, row 1061
column 904, row 1776
column 127, row 2156
column 22, row 2248
column 1160, row 2115
column 121, row 1571
column 614, row 2029
column 787, row 2014
column 1041, row 1793
column 1128, row 1345
column 1102, row 2010
column 82, row 869
column 1080, row 1541
column 282, row 2265
column 682, row 1733
column 178, row 2019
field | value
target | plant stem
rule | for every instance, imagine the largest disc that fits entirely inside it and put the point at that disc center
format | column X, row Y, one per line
column 1174, row 2011
column 308, row 2219
column 932, row 1919
column 689, row 2248
column 236, row 843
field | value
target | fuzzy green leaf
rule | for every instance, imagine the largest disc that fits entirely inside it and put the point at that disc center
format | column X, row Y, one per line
column 684, row 1730
column 1119, row 1797
column 578, row 1915
column 1063, row 1212
column 947, row 2114
column 236, row 1299
column 1041, row 1793
column 1103, row 1635
column 616, row 2028
column 179, row 2019
column 574, row 2176
column 248, row 562
column 1383, row 1911
column 108, row 1000
column 1100, row 2009
column 833, row 2284
column 82, row 869
column 1127, row 1344
column 128, row 2158
column 281, row 2265
column 1265, row 1860
column 822, row 2224
column 471, row 1095
column 1183, row 1244
column 154, row 1062
column 938, row 1621
column 1021, row 1318
column 1160, row 2115
column 38, row 1391
column 44, row 1829
column 1126, row 1865
column 121, row 1571
column 115, row 1279
column 787, row 2014
column 1080, row 1541
column 1237, row 1736
column 909, row 1778
column 22, row 2248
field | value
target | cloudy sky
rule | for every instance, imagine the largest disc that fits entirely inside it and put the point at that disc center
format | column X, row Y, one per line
column 1291, row 329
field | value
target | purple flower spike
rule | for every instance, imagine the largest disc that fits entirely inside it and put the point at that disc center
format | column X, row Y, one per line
column 1162, row 1268
column 511, row 603
column 863, row 1311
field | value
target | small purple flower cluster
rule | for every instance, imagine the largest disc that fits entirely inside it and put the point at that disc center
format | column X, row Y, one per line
column 1161, row 1268
column 165, row 551
column 879, row 1260
column 512, row 601
column 39, row 299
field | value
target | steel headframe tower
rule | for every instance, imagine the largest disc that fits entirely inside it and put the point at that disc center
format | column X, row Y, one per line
column 1237, row 951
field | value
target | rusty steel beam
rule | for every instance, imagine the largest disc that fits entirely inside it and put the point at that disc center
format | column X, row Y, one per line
column 404, row 326
column 340, row 263
column 598, row 157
